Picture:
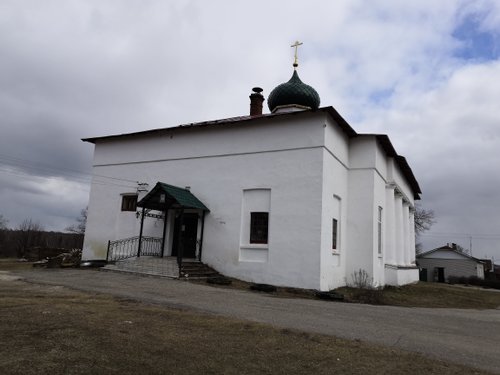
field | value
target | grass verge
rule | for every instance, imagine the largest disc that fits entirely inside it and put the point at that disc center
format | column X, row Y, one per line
column 433, row 295
column 422, row 294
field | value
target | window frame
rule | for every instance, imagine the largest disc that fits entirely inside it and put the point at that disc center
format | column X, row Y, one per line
column 379, row 230
column 129, row 202
column 335, row 235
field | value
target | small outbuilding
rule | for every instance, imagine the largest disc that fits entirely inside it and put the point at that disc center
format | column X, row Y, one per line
column 441, row 263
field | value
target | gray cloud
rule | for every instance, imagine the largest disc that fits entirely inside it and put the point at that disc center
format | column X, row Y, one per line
column 73, row 69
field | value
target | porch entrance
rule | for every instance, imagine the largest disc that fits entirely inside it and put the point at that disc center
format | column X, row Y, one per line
column 186, row 241
column 188, row 232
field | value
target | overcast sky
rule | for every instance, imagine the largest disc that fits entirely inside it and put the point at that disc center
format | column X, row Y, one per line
column 427, row 73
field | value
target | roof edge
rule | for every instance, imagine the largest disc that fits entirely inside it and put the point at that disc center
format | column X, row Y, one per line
column 401, row 162
column 445, row 248
column 230, row 120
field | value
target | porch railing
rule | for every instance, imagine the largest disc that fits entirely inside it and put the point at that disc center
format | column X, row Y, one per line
column 128, row 248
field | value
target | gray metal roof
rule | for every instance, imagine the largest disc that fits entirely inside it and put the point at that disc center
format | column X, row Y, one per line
column 332, row 112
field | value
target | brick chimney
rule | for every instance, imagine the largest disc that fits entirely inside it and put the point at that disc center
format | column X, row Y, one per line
column 256, row 100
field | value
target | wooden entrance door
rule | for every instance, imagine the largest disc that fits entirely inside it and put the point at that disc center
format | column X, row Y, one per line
column 440, row 271
column 188, row 232
column 423, row 274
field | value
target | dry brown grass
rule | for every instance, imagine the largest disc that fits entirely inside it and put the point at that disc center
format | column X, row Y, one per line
column 10, row 264
column 434, row 295
column 422, row 294
column 52, row 330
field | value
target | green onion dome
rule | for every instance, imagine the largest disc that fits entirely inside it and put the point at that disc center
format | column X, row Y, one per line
column 293, row 92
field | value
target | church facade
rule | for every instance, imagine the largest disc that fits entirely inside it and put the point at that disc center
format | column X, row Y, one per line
column 291, row 198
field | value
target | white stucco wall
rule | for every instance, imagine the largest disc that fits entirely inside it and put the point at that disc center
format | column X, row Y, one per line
column 218, row 166
column 361, row 207
column 376, row 181
column 335, row 197
column 360, row 222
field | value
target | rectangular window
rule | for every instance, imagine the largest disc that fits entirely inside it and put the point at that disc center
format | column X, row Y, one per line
column 259, row 224
column 379, row 230
column 129, row 202
column 335, row 226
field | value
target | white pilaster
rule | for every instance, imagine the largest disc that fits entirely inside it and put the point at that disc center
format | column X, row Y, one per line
column 406, row 233
column 390, row 228
column 412, row 235
column 399, row 227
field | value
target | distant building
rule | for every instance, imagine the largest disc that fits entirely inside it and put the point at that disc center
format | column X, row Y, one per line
column 441, row 263
column 491, row 270
column 495, row 272
column 293, row 198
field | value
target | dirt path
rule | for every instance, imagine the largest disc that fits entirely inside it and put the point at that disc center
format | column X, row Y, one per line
column 467, row 337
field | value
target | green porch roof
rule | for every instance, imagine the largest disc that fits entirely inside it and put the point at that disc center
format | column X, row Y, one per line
column 173, row 197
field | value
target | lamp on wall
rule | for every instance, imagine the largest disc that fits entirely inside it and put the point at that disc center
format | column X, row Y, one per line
column 142, row 186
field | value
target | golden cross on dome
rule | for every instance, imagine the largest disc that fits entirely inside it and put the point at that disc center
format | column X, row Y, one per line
column 296, row 45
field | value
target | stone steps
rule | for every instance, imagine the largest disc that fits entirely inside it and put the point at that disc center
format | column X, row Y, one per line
column 146, row 265
column 167, row 266
column 197, row 270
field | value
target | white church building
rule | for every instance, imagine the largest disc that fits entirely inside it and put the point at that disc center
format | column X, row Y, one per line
column 295, row 197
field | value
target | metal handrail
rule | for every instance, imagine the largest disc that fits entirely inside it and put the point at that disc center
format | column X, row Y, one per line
column 151, row 246
column 128, row 248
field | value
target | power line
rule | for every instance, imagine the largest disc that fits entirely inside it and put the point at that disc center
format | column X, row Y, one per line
column 464, row 235
column 87, row 183
column 115, row 178
column 459, row 234
column 111, row 184
column 78, row 176
column 37, row 166
column 34, row 178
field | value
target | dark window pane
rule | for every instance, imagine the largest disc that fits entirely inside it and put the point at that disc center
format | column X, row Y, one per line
column 334, row 234
column 379, row 229
column 259, row 222
column 129, row 202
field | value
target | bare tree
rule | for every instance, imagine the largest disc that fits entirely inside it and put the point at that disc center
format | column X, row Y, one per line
column 30, row 234
column 3, row 230
column 3, row 222
column 460, row 249
column 424, row 219
column 81, row 223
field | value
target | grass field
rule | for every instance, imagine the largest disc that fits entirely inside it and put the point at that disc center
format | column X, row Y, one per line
column 53, row 330
column 422, row 294
column 435, row 295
